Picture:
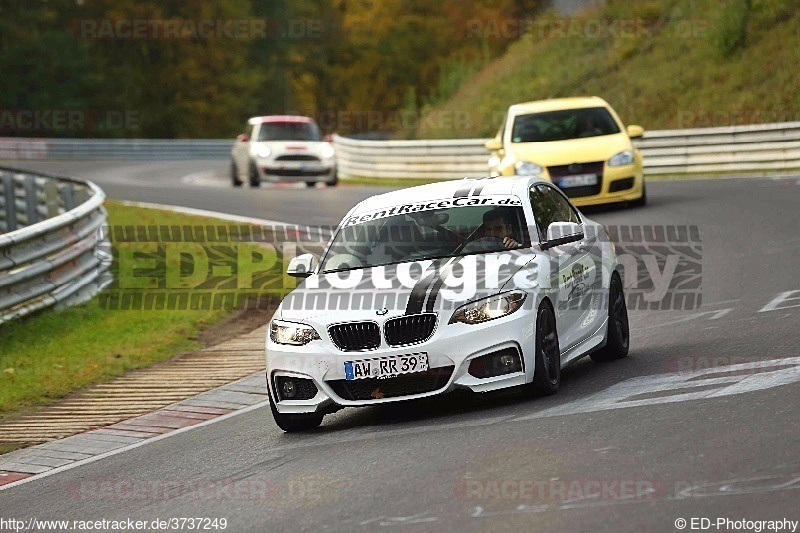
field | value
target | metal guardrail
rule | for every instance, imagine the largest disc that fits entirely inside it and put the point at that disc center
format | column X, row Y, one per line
column 737, row 148
column 119, row 149
column 53, row 242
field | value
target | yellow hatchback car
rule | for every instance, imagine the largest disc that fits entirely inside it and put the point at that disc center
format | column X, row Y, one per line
column 579, row 144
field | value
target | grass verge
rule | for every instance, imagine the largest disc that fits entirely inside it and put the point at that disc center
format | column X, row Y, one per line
column 50, row 354
column 679, row 64
column 388, row 182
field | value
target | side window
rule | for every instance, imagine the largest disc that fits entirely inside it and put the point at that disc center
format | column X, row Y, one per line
column 565, row 211
column 549, row 206
column 542, row 210
column 250, row 130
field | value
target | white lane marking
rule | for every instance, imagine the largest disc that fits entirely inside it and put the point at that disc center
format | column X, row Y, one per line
column 190, row 179
column 776, row 302
column 706, row 304
column 712, row 315
column 679, row 387
column 116, row 451
column 209, row 214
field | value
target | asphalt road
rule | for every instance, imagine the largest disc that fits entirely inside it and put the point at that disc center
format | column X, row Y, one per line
column 699, row 422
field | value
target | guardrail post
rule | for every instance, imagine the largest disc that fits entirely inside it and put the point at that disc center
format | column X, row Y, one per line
column 10, row 202
column 51, row 198
column 29, row 184
column 68, row 197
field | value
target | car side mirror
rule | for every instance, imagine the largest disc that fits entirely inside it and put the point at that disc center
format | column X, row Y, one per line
column 242, row 138
column 559, row 233
column 494, row 144
column 301, row 266
column 635, row 132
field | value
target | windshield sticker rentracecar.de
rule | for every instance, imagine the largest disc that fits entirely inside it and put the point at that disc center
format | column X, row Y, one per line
column 445, row 203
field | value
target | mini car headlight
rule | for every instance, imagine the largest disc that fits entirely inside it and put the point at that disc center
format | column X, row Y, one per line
column 489, row 308
column 264, row 152
column 291, row 333
column 623, row 158
column 526, row 168
column 327, row 151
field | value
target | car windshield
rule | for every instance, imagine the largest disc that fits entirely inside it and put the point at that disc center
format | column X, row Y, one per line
column 562, row 125
column 289, row 131
column 375, row 239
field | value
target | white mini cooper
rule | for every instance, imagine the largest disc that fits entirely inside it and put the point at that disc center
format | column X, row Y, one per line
column 281, row 148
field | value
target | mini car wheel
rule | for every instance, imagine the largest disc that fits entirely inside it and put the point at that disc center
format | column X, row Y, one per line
column 235, row 175
column 618, row 332
column 295, row 422
column 311, row 183
column 334, row 179
column 255, row 179
column 547, row 374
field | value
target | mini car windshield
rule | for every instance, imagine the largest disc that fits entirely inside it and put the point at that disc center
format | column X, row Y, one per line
column 562, row 125
column 430, row 234
column 289, row 131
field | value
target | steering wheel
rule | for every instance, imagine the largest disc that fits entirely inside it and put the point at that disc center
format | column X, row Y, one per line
column 485, row 244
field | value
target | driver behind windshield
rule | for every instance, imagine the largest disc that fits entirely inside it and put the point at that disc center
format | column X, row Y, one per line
column 499, row 223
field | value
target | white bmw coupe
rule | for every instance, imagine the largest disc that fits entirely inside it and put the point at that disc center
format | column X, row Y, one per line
column 478, row 284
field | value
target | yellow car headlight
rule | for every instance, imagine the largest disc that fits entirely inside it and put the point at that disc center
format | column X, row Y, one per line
column 527, row 168
column 623, row 158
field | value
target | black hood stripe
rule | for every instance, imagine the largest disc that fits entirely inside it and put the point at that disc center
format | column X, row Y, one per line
column 477, row 190
column 416, row 300
column 448, row 268
column 462, row 192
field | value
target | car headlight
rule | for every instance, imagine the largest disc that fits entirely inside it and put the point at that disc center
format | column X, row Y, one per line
column 489, row 308
column 327, row 151
column 623, row 158
column 264, row 152
column 526, row 168
column 291, row 333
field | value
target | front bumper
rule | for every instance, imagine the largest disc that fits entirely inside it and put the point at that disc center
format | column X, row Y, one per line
column 452, row 345
column 292, row 171
column 611, row 179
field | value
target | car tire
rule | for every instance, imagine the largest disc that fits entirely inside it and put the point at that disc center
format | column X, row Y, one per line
column 311, row 184
column 255, row 178
column 334, row 179
column 618, row 336
column 235, row 175
column 641, row 202
column 291, row 423
column 547, row 370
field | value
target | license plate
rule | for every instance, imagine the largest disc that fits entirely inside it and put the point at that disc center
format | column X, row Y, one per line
column 386, row 367
column 578, row 181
